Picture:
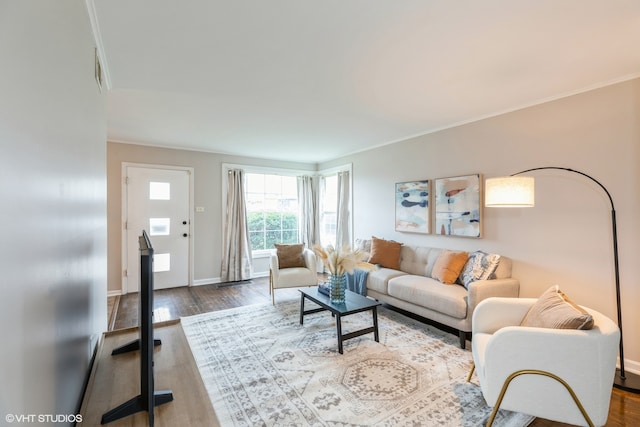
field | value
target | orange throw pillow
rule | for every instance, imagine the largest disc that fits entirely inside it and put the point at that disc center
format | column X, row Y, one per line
column 385, row 252
column 448, row 266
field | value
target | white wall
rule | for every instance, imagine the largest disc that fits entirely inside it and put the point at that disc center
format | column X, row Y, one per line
column 566, row 238
column 53, row 214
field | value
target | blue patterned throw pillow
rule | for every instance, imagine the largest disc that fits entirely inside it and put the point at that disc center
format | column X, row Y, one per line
column 479, row 266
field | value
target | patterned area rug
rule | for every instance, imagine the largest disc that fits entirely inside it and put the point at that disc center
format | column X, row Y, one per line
column 262, row 368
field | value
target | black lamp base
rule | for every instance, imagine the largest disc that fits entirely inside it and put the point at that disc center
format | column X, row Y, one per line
column 631, row 382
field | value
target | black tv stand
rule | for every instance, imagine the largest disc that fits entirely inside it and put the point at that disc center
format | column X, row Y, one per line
column 148, row 398
column 132, row 346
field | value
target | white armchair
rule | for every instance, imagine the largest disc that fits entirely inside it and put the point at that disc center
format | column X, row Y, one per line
column 564, row 375
column 292, row 277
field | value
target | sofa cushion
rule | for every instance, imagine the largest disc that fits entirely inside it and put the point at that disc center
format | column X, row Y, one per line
column 503, row 270
column 555, row 310
column 418, row 260
column 431, row 294
column 289, row 256
column 385, row 252
column 378, row 280
column 448, row 266
column 479, row 266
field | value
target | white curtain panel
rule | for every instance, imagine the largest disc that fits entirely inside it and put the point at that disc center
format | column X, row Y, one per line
column 343, row 226
column 309, row 204
column 236, row 251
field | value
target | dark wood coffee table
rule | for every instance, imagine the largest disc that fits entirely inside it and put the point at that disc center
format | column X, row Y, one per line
column 354, row 303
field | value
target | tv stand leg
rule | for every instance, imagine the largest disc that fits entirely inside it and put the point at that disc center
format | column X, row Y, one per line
column 132, row 346
column 162, row 396
column 129, row 407
column 135, row 405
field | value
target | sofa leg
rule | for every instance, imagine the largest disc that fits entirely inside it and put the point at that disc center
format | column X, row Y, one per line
column 463, row 339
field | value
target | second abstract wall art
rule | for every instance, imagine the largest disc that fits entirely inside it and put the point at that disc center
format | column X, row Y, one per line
column 458, row 208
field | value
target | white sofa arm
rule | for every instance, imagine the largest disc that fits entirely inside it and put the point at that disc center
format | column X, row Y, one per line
column 483, row 289
column 309, row 259
column 494, row 313
column 274, row 265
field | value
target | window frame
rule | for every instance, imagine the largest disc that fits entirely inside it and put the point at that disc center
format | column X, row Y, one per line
column 324, row 173
column 258, row 252
column 226, row 167
column 261, row 253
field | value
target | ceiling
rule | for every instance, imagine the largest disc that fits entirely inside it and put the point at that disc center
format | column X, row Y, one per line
column 310, row 81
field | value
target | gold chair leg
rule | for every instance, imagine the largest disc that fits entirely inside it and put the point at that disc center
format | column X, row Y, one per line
column 503, row 391
column 272, row 291
column 473, row 369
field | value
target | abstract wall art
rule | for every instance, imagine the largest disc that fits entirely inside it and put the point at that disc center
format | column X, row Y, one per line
column 458, row 208
column 412, row 206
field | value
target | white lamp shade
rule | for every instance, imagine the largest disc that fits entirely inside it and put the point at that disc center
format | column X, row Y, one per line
column 509, row 192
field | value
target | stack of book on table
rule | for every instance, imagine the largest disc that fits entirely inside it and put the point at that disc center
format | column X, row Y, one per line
column 323, row 288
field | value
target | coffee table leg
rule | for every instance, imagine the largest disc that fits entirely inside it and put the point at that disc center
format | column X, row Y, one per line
column 339, row 329
column 301, row 308
column 375, row 324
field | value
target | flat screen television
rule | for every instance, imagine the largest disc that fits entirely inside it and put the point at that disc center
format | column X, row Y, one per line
column 148, row 397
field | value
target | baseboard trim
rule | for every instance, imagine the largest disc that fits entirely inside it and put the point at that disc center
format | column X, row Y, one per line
column 114, row 293
column 89, row 375
column 202, row 282
column 217, row 280
column 630, row 366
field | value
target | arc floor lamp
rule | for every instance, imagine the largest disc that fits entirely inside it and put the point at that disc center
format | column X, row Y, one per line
column 518, row 191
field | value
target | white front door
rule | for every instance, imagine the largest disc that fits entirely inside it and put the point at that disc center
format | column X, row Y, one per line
column 158, row 201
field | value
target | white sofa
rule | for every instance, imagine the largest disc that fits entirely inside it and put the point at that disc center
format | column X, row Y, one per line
column 411, row 288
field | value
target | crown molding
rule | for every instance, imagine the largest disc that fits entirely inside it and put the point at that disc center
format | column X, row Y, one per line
column 97, row 37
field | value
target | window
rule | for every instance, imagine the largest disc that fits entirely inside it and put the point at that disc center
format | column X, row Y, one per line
column 161, row 262
column 159, row 191
column 159, row 226
column 329, row 208
column 272, row 209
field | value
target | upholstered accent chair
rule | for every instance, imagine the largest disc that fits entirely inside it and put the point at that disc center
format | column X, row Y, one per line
column 303, row 274
column 563, row 375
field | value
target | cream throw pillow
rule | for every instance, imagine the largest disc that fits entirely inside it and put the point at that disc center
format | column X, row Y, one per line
column 555, row 310
column 448, row 266
column 289, row 256
column 479, row 266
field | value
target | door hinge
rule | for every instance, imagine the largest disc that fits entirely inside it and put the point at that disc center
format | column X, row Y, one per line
column 126, row 225
column 126, row 273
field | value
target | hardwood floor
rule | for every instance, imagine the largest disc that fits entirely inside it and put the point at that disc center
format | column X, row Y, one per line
column 170, row 304
column 174, row 303
column 116, row 379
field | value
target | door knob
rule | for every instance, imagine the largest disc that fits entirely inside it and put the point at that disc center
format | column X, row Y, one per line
column 184, row 235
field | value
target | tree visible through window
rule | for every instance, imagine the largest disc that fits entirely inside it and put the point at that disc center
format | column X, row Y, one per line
column 272, row 210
